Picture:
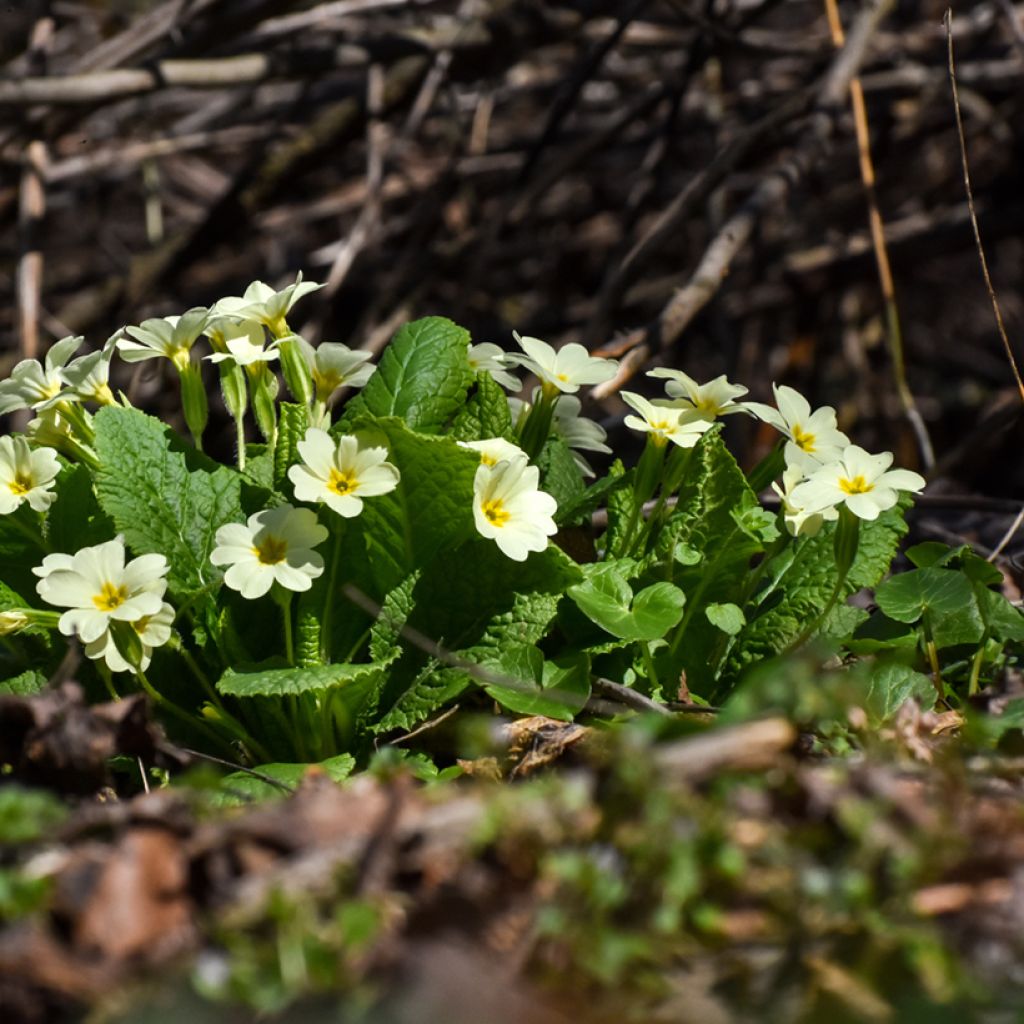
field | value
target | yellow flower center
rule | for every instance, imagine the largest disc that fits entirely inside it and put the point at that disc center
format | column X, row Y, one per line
column 342, row 482
column 858, row 485
column 563, row 377
column 139, row 625
column 495, row 512
column 802, row 439
column 271, row 550
column 327, row 382
column 488, row 460
column 52, row 389
column 708, row 405
column 21, row 485
column 110, row 597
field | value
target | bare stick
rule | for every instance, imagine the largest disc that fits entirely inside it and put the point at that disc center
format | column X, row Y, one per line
column 31, row 209
column 714, row 265
column 948, row 18
column 893, row 330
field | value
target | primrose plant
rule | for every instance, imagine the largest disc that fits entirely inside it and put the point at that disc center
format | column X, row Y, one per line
column 388, row 540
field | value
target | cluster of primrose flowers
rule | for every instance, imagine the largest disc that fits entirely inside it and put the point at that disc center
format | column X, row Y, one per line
column 116, row 607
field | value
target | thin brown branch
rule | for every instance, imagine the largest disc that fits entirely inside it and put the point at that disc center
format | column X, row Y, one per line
column 948, row 18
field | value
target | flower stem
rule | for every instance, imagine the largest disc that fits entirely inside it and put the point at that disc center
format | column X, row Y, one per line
column 193, row 721
column 329, row 599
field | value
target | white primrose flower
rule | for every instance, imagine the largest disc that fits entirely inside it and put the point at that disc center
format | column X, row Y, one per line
column 341, row 475
column 274, row 546
column 261, row 303
column 98, row 588
column 493, row 450
column 334, row 365
column 859, row 480
column 799, row 521
column 813, row 438
column 665, row 421
column 169, row 337
column 490, row 358
column 510, row 509
column 26, row 475
column 716, row 398
column 243, row 342
column 566, row 370
column 152, row 630
column 32, row 383
column 88, row 376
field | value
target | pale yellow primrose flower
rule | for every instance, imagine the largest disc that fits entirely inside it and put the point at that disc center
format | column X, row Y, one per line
column 665, row 421
column 244, row 344
column 799, row 522
column 716, row 398
column 341, row 475
column 88, row 377
column 26, row 475
column 859, row 480
column 31, row 383
column 152, row 631
column 813, row 438
column 490, row 358
column 566, row 370
column 99, row 588
column 169, row 337
column 334, row 365
column 261, row 303
column 273, row 546
column 510, row 509
column 493, row 450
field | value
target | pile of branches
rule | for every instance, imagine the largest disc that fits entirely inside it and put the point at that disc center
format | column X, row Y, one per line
column 673, row 179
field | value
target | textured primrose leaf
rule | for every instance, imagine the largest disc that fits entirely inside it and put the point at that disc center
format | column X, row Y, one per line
column 75, row 520
column 422, row 376
column 163, row 496
column 798, row 583
column 486, row 413
column 18, row 554
column 289, row 682
column 293, row 421
column 430, row 690
column 431, row 510
column 24, row 685
column 471, row 601
column 560, row 477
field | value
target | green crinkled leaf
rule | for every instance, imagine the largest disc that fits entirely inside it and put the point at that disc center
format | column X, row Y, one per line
column 532, row 685
column 499, row 603
column 621, row 506
column 18, row 554
column 718, row 521
column 422, row 377
column 431, row 510
column 394, row 613
column 890, row 685
column 798, row 583
column 24, row 685
column 288, row 682
column 486, row 413
column 582, row 507
column 560, row 476
column 292, row 423
column 164, row 497
column 75, row 520
column 430, row 690
column 246, row 786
